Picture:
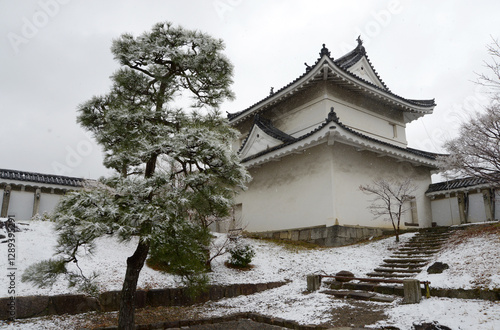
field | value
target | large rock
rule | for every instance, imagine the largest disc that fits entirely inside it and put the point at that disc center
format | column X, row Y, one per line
column 437, row 268
column 344, row 273
column 430, row 326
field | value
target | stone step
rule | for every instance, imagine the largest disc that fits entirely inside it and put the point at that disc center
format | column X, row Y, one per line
column 434, row 250
column 431, row 236
column 429, row 239
column 397, row 270
column 389, row 275
column 404, row 266
column 424, row 244
column 370, row 296
column 412, row 253
column 410, row 257
column 406, row 260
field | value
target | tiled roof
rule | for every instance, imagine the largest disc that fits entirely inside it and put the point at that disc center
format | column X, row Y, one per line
column 343, row 63
column 417, row 152
column 326, row 122
column 456, row 184
column 333, row 118
column 41, row 178
column 351, row 58
column 268, row 128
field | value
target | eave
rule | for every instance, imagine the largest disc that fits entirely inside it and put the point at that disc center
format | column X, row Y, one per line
column 325, row 69
column 332, row 131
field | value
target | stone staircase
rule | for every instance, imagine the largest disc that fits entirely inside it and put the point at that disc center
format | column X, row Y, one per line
column 410, row 259
column 407, row 262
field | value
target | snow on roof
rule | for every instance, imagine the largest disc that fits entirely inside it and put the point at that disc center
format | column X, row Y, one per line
column 41, row 178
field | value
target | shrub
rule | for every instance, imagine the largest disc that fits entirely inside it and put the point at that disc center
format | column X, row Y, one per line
column 241, row 256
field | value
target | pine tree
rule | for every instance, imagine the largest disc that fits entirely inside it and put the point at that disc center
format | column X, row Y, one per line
column 175, row 171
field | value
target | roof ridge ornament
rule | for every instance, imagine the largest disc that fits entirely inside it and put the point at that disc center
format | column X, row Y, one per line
column 332, row 116
column 360, row 46
column 324, row 51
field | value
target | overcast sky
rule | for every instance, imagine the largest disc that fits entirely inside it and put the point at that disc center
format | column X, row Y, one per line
column 54, row 55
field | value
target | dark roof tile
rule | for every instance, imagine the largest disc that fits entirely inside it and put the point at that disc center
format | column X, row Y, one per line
column 332, row 117
column 41, row 178
column 456, row 184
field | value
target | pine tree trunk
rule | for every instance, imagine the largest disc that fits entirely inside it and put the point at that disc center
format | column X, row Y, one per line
column 126, row 317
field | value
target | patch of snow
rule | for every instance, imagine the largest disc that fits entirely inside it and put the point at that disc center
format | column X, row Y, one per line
column 273, row 262
column 457, row 314
column 473, row 263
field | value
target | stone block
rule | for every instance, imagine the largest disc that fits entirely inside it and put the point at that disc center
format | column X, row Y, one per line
column 158, row 297
column 110, row 301
column 216, row 292
column 25, row 307
column 273, row 285
column 247, row 289
column 72, row 304
column 489, row 295
column 230, row 291
column 463, row 294
column 294, row 235
column 313, row 282
column 384, row 289
column 305, row 234
column 259, row 287
column 365, row 286
column 318, row 233
column 335, row 285
column 277, row 322
column 140, row 299
column 177, row 297
column 412, row 291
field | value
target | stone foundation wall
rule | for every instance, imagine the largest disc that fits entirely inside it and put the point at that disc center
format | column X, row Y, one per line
column 325, row 236
column 35, row 306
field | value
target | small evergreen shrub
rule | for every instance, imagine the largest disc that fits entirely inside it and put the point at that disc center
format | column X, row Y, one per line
column 241, row 256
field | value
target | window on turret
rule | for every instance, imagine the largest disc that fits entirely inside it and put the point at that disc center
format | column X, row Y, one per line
column 394, row 130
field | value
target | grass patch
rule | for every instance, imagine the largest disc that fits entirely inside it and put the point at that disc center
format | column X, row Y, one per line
column 293, row 245
column 472, row 231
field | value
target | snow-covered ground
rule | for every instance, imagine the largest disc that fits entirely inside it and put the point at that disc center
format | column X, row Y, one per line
column 473, row 263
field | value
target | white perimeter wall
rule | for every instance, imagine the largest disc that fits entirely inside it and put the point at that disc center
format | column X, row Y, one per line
column 48, row 203
column 21, row 204
column 497, row 205
column 445, row 211
column 477, row 212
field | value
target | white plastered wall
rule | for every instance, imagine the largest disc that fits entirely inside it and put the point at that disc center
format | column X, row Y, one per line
column 292, row 193
column 48, row 203
column 445, row 211
column 477, row 212
column 21, row 204
column 355, row 168
column 497, row 205
column 321, row 186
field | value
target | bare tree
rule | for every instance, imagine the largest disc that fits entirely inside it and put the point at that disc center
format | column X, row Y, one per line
column 391, row 199
column 491, row 81
column 476, row 151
